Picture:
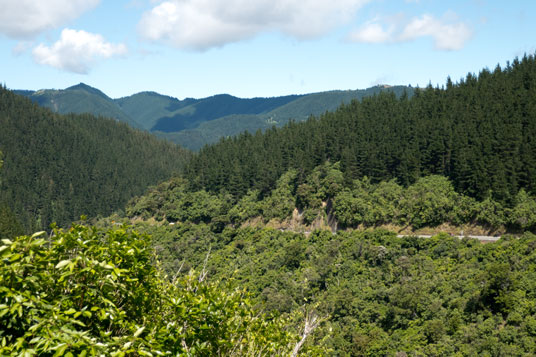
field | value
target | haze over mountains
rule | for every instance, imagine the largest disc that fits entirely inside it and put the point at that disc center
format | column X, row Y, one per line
column 194, row 123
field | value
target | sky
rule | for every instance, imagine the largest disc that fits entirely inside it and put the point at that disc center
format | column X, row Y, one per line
column 256, row 48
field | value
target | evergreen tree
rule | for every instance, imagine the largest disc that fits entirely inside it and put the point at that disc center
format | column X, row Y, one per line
column 479, row 133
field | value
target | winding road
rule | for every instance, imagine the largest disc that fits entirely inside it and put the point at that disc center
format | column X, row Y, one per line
column 480, row 238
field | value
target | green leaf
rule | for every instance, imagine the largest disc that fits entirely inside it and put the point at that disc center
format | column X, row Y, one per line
column 139, row 331
column 37, row 234
column 60, row 349
column 62, row 263
column 70, row 311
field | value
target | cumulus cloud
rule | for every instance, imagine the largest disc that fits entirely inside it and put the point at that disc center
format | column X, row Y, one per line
column 22, row 19
column 202, row 24
column 447, row 35
column 372, row 33
column 77, row 51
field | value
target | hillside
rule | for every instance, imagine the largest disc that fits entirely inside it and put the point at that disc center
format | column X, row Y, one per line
column 381, row 295
column 79, row 99
column 58, row 167
column 297, row 110
column 478, row 133
column 297, row 215
column 193, row 123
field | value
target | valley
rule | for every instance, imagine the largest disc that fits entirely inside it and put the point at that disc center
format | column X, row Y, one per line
column 347, row 220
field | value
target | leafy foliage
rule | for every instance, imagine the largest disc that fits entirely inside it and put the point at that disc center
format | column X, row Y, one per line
column 384, row 295
column 88, row 291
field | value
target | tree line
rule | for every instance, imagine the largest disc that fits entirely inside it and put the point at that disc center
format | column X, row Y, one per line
column 323, row 199
column 477, row 132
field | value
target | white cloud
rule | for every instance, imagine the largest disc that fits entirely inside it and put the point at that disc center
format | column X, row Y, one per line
column 447, row 35
column 372, row 33
column 202, row 24
column 22, row 19
column 77, row 51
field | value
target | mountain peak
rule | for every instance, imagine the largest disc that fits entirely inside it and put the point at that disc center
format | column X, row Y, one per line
column 86, row 88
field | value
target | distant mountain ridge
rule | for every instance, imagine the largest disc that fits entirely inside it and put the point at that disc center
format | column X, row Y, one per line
column 194, row 123
column 79, row 99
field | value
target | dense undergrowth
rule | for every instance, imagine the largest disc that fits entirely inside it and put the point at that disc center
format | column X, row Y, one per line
column 382, row 294
column 89, row 291
column 323, row 199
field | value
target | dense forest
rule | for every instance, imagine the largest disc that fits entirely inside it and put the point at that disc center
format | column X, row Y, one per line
column 268, row 208
column 89, row 291
column 281, row 242
column 58, row 167
column 478, row 132
column 323, row 201
column 381, row 295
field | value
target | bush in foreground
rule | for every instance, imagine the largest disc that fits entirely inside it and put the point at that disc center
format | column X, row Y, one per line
column 89, row 291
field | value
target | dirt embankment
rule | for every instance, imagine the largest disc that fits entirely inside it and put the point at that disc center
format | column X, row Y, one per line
column 296, row 224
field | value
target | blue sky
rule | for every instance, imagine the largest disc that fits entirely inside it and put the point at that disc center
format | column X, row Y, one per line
column 255, row 48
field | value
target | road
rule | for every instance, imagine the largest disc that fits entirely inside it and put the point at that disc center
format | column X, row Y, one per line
column 480, row 238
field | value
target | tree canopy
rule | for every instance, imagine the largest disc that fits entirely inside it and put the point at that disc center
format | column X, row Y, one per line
column 478, row 132
column 58, row 167
column 88, row 291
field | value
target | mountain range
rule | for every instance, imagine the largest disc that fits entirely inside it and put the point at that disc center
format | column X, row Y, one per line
column 193, row 123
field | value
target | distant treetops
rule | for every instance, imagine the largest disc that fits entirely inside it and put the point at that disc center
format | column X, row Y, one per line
column 479, row 133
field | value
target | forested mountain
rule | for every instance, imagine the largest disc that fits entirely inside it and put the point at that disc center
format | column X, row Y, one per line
column 264, row 208
column 189, row 113
column 193, row 123
column 479, row 133
column 58, row 167
column 80, row 99
column 148, row 107
column 297, row 110
column 460, row 155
